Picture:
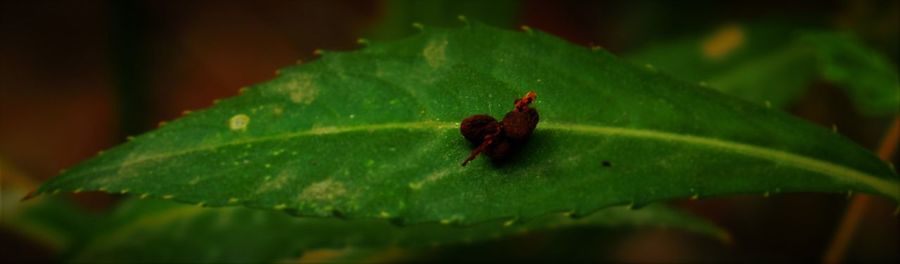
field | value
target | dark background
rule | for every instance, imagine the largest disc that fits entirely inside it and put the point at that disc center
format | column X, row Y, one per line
column 77, row 77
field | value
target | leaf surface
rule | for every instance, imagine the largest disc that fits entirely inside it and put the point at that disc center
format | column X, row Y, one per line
column 373, row 133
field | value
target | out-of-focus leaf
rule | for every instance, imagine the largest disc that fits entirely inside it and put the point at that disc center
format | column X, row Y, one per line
column 773, row 64
column 53, row 222
column 869, row 78
column 161, row 231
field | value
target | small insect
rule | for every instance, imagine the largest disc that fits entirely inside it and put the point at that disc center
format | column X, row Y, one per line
column 498, row 139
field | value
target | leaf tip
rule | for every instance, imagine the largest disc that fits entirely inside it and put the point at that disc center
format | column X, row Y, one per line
column 29, row 196
column 362, row 41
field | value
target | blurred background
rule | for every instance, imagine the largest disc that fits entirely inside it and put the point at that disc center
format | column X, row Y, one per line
column 77, row 77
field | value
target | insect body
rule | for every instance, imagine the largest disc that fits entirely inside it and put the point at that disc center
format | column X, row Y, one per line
column 498, row 139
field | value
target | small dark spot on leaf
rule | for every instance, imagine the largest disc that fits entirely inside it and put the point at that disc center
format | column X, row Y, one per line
column 578, row 214
column 606, row 163
column 397, row 221
column 338, row 214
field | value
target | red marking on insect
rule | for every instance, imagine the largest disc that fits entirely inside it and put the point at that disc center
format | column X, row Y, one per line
column 498, row 139
column 525, row 101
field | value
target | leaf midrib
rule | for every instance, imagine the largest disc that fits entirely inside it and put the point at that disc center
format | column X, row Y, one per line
column 835, row 171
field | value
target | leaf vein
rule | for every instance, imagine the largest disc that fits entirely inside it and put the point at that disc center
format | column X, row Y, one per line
column 835, row 171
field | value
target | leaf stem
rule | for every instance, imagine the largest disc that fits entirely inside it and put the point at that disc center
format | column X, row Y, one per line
column 860, row 203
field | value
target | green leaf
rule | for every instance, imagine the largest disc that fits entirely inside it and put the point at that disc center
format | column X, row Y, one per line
column 51, row 221
column 867, row 75
column 159, row 231
column 773, row 64
column 374, row 133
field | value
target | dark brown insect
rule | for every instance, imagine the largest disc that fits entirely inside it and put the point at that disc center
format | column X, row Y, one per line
column 498, row 139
